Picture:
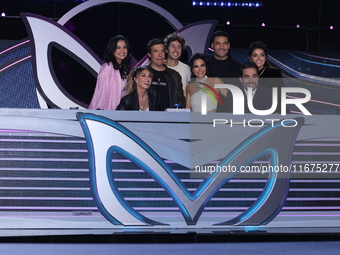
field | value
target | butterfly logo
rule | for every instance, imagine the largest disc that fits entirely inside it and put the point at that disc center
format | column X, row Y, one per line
column 105, row 136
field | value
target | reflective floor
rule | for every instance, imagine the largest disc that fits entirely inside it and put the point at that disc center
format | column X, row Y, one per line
column 290, row 248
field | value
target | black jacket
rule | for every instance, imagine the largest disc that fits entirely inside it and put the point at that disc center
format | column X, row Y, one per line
column 175, row 87
column 131, row 102
column 174, row 81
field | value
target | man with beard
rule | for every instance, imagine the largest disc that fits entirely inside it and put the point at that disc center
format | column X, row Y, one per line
column 249, row 78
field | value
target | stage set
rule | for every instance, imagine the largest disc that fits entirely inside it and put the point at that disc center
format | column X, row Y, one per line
column 70, row 171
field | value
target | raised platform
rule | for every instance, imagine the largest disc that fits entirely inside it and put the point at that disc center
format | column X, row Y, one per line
column 47, row 188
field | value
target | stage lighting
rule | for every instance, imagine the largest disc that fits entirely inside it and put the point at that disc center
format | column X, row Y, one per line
column 229, row 4
column 297, row 26
column 3, row 14
column 331, row 27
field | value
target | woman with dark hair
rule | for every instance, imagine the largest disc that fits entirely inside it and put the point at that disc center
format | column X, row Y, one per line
column 112, row 76
column 258, row 54
column 202, row 84
column 270, row 77
column 140, row 95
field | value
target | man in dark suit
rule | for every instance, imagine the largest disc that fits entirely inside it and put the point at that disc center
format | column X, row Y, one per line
column 249, row 78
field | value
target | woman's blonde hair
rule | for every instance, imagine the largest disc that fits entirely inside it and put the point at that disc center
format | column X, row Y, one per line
column 131, row 84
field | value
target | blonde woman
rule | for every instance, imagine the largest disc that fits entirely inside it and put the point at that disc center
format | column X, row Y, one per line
column 140, row 95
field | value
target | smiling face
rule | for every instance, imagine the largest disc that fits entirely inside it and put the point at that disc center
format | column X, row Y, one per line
column 121, row 51
column 174, row 50
column 199, row 68
column 143, row 80
column 250, row 78
column 221, row 46
column 259, row 57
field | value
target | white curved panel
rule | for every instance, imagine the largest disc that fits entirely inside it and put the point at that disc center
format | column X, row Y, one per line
column 43, row 33
column 92, row 3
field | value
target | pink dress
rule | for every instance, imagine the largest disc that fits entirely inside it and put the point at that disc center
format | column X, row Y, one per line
column 108, row 90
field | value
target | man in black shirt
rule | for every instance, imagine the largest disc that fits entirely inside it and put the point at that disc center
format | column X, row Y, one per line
column 165, row 80
column 222, row 65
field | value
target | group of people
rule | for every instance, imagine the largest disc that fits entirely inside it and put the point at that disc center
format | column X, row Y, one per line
column 166, row 82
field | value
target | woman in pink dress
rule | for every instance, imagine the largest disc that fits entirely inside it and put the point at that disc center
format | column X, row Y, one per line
column 112, row 75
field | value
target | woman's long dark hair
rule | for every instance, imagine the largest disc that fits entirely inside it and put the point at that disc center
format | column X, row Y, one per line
column 123, row 68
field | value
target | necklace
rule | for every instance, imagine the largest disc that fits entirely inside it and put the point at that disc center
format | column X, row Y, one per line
column 143, row 103
column 143, row 98
column 264, row 68
column 201, row 83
